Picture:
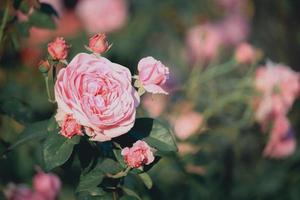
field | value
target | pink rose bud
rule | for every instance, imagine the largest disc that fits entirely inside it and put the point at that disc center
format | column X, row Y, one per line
column 245, row 54
column 47, row 185
column 44, row 66
column 98, row 43
column 139, row 154
column 70, row 127
column 58, row 49
column 152, row 75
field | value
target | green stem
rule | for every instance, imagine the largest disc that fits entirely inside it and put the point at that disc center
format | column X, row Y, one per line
column 120, row 174
column 114, row 194
column 4, row 21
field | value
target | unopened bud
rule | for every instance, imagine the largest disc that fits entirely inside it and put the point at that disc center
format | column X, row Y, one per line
column 44, row 66
column 99, row 44
column 58, row 49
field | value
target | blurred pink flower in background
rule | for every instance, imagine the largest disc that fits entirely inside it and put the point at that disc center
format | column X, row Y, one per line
column 68, row 25
column 154, row 104
column 234, row 29
column 187, row 124
column 139, row 154
column 46, row 184
column 187, row 148
column 203, row 42
column 245, row 53
column 282, row 142
column 232, row 5
column 102, row 15
column 17, row 192
column 278, row 86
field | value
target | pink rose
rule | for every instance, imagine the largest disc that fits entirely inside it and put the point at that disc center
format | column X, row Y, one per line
column 278, row 86
column 98, row 43
column 69, row 126
column 245, row 53
column 98, row 94
column 102, row 16
column 153, row 75
column 47, row 185
column 139, row 154
column 282, row 142
column 187, row 124
column 58, row 49
column 203, row 42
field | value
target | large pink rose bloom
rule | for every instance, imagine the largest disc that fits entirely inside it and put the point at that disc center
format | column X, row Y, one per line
column 102, row 15
column 203, row 42
column 278, row 86
column 98, row 94
column 282, row 142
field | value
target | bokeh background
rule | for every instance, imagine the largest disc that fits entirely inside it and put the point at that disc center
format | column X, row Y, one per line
column 225, row 160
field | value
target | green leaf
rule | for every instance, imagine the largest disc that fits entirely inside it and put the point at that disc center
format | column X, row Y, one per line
column 110, row 166
column 98, row 195
column 16, row 109
column 146, row 179
column 57, row 149
column 153, row 132
column 131, row 193
column 35, row 131
column 127, row 197
column 161, row 137
column 41, row 20
column 119, row 157
column 90, row 180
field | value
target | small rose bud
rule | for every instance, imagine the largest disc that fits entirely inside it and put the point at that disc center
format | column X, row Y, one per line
column 139, row 154
column 44, row 66
column 58, row 49
column 98, row 43
column 48, row 185
column 69, row 126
